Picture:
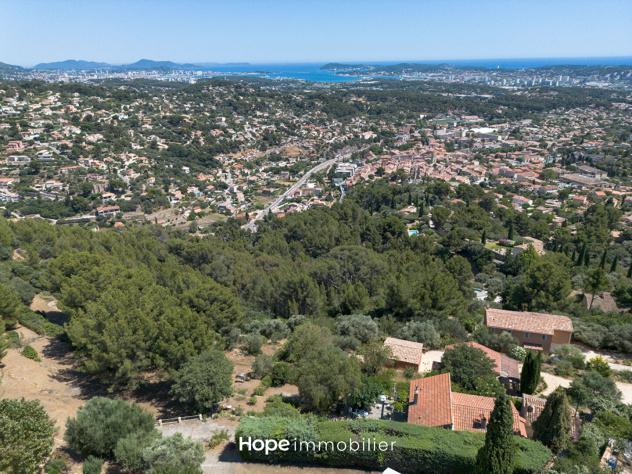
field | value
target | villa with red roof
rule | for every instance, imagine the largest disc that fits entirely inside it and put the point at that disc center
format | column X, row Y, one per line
column 433, row 403
column 536, row 331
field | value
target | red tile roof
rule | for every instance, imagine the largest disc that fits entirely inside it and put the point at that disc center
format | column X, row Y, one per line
column 468, row 411
column 538, row 323
column 405, row 351
column 434, row 405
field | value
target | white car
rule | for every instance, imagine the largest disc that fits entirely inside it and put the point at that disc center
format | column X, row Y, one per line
column 360, row 413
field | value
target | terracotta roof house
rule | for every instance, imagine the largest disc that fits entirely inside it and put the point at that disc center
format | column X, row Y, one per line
column 507, row 368
column 405, row 353
column 432, row 403
column 603, row 301
column 536, row 331
column 532, row 408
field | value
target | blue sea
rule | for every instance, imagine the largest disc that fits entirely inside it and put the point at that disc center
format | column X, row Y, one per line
column 312, row 71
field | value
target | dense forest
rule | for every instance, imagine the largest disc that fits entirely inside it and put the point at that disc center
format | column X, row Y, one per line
column 148, row 298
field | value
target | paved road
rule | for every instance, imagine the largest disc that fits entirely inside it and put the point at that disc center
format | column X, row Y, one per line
column 252, row 225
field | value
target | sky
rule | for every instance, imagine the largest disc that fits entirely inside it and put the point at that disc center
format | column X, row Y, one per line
column 263, row 31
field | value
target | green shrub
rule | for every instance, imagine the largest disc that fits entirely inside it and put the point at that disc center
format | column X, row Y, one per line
column 266, row 382
column 410, row 372
column 102, row 422
column 14, row 339
column 281, row 374
column 600, row 365
column 129, row 450
column 92, row 465
column 30, row 353
column 253, row 343
column 39, row 324
column 518, row 353
column 262, row 366
column 564, row 368
column 58, row 463
column 252, row 401
column 415, row 448
column 26, row 435
column 174, row 454
column 217, row 439
column 259, row 391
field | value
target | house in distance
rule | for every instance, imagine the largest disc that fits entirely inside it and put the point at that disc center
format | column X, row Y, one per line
column 535, row 331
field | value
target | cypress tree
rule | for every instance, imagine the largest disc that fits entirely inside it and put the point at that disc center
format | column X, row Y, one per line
column 602, row 264
column 498, row 455
column 530, row 375
column 573, row 256
column 484, row 237
column 613, row 267
column 410, row 198
column 510, row 233
column 630, row 272
column 580, row 257
column 587, row 259
column 393, row 202
column 553, row 426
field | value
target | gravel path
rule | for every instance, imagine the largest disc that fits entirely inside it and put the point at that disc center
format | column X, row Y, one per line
column 554, row 381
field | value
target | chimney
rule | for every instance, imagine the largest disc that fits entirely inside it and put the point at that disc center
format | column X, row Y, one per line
column 416, row 396
column 483, row 422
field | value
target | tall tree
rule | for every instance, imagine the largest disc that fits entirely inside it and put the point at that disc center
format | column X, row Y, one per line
column 10, row 305
column 553, row 426
column 602, row 264
column 530, row 375
column 204, row 380
column 613, row 267
column 484, row 237
column 498, row 455
column 596, row 283
column 327, row 375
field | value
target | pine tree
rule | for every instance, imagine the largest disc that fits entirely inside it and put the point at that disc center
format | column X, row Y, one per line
column 4, row 342
column 553, row 426
column 613, row 267
column 484, row 237
column 602, row 264
column 498, row 455
column 530, row 375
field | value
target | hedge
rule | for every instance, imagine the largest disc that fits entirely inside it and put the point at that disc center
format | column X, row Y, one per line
column 416, row 448
column 39, row 324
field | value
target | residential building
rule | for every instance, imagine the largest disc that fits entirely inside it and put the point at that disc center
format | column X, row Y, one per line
column 432, row 403
column 405, row 353
column 604, row 301
column 535, row 331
